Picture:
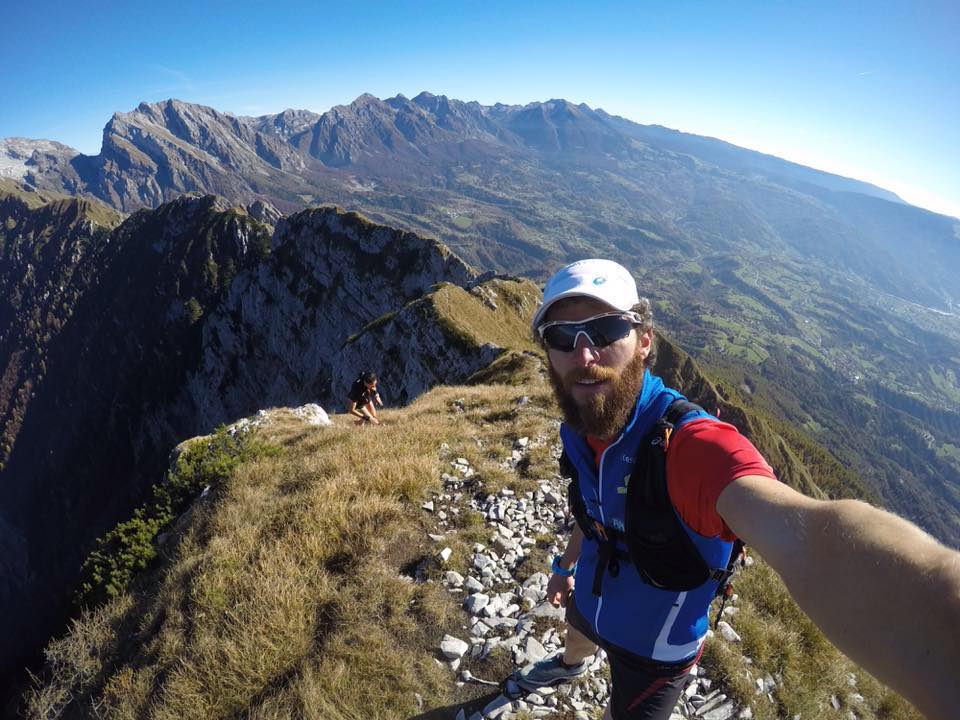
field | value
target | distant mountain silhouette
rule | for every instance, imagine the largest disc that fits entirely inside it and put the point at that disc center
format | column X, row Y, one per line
column 829, row 300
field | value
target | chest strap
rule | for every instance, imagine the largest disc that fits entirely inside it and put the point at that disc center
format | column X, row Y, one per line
column 657, row 544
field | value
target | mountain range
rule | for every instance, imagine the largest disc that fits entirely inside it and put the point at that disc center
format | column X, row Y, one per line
column 752, row 260
column 133, row 315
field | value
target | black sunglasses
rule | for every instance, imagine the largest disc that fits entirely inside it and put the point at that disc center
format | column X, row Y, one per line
column 600, row 330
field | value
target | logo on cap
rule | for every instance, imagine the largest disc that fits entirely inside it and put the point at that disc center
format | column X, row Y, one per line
column 600, row 280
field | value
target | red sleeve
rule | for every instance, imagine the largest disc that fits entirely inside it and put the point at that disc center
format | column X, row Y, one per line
column 705, row 456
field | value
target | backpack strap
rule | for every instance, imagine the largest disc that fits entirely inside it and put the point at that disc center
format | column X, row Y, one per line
column 609, row 556
column 725, row 589
column 663, row 553
column 575, row 503
column 678, row 408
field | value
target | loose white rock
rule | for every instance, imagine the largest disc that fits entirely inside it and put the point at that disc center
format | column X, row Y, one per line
column 453, row 648
column 534, row 650
column 727, row 632
column 476, row 602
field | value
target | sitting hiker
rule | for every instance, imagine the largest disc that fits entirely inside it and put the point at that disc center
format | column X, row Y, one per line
column 362, row 397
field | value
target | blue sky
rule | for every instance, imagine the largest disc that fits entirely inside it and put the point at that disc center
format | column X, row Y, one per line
column 870, row 90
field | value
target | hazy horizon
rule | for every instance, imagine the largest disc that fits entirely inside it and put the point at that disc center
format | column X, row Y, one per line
column 868, row 93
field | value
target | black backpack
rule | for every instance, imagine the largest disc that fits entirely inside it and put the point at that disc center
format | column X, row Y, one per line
column 657, row 544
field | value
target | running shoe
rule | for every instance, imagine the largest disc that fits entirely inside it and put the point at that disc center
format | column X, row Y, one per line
column 549, row 671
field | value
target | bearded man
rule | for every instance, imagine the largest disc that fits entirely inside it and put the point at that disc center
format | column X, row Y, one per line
column 858, row 571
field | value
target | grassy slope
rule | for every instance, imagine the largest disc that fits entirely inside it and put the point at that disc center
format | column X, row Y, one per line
column 93, row 210
column 282, row 592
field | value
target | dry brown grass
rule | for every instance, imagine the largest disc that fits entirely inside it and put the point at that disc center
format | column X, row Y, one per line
column 282, row 592
column 502, row 320
column 782, row 641
column 281, row 596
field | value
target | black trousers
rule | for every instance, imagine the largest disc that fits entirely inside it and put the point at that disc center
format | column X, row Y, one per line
column 641, row 689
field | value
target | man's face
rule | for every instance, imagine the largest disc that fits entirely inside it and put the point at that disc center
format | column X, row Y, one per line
column 596, row 387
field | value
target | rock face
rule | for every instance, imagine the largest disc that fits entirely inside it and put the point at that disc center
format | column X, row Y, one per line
column 107, row 323
column 161, row 150
column 123, row 341
column 51, row 251
column 40, row 162
column 278, row 336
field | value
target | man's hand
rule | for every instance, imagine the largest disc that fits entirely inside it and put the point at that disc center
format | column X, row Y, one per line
column 881, row 589
column 558, row 587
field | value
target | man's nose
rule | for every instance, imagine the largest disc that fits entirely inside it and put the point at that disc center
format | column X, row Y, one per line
column 584, row 351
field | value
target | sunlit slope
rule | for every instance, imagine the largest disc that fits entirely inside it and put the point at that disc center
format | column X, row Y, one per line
column 305, row 584
column 295, row 585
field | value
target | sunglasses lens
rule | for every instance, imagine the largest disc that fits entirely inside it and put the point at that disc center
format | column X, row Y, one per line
column 600, row 332
column 606, row 330
column 560, row 337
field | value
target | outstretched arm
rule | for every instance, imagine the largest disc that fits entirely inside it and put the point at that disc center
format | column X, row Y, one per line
column 361, row 413
column 886, row 593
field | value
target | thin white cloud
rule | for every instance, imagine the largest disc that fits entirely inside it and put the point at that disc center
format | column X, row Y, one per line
column 866, row 72
column 171, row 81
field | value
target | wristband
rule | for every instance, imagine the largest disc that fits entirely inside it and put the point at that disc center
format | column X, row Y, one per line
column 558, row 570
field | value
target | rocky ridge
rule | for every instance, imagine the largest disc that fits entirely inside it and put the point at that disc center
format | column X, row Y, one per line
column 278, row 335
column 165, row 148
column 511, row 614
column 507, row 610
column 174, row 321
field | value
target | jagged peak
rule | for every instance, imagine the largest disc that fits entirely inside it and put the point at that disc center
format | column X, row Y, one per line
column 205, row 201
column 333, row 217
column 360, row 103
column 366, row 99
column 29, row 145
column 429, row 100
column 295, row 113
column 190, row 204
column 157, row 111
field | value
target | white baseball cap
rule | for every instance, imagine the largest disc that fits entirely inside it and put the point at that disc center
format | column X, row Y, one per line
column 603, row 280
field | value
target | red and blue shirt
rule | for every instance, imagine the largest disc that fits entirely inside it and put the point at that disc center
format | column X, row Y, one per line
column 704, row 456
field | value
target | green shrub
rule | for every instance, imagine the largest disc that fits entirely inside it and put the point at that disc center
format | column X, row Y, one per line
column 193, row 309
column 129, row 547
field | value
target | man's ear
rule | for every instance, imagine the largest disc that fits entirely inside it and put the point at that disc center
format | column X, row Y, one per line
column 645, row 343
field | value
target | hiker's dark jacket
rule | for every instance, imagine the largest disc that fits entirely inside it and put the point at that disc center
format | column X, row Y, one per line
column 361, row 394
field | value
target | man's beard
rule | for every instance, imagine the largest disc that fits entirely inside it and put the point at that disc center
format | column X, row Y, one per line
column 602, row 414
